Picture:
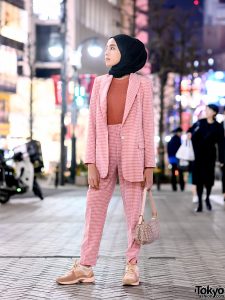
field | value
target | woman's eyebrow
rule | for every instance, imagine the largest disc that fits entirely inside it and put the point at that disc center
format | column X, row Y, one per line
column 112, row 45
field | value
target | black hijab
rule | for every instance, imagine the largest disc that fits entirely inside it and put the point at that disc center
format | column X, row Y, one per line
column 133, row 55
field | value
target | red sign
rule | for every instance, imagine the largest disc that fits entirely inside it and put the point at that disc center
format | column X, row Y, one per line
column 58, row 89
column 186, row 120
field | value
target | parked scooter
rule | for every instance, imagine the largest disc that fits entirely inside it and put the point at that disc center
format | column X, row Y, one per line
column 18, row 180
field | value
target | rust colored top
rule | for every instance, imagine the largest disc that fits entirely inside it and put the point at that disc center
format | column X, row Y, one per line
column 116, row 99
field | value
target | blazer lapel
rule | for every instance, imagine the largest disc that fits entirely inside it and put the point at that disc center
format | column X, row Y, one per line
column 133, row 86
column 103, row 95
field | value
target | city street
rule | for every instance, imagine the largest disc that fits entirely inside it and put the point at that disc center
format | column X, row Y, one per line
column 40, row 239
column 89, row 88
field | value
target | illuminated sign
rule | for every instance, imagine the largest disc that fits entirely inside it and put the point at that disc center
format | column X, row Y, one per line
column 13, row 22
column 215, row 87
column 52, row 11
column 8, row 68
column 4, row 114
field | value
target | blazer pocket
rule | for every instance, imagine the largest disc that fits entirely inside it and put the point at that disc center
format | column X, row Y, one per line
column 141, row 153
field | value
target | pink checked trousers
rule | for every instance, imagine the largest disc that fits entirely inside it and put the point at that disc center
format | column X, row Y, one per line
column 98, row 201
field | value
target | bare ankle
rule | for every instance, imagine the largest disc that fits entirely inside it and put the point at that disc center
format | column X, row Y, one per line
column 87, row 266
column 133, row 261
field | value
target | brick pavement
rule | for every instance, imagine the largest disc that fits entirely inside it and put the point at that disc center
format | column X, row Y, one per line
column 40, row 239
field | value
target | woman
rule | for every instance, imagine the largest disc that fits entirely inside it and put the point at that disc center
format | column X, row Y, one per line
column 120, row 140
column 205, row 134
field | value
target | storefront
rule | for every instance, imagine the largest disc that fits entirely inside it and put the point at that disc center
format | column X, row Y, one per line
column 8, row 77
column 13, row 33
column 13, row 22
column 197, row 91
column 76, row 119
column 4, row 114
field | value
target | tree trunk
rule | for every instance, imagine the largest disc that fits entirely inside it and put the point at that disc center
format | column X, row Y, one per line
column 180, row 104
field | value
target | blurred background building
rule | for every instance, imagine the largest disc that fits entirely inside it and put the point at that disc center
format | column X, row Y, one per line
column 32, row 66
column 13, row 39
column 31, row 63
column 214, row 31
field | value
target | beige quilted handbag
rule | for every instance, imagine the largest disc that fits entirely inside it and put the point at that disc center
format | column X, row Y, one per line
column 146, row 233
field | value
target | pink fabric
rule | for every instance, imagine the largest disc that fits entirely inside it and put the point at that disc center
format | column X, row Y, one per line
column 98, row 201
column 137, row 128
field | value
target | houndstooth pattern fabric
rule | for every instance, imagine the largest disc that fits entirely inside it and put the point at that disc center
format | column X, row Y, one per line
column 98, row 201
column 147, row 233
column 137, row 129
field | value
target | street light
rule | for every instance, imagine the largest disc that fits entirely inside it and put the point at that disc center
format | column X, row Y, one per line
column 55, row 48
column 94, row 50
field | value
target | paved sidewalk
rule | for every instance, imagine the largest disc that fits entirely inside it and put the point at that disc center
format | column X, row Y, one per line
column 40, row 239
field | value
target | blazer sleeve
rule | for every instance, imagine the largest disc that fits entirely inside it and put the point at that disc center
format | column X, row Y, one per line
column 194, row 127
column 148, row 124
column 90, row 154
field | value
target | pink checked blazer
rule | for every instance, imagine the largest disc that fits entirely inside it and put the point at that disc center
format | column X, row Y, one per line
column 137, row 131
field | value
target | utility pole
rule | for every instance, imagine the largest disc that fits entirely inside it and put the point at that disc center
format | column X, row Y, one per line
column 73, row 166
column 31, row 59
column 31, row 93
column 64, row 89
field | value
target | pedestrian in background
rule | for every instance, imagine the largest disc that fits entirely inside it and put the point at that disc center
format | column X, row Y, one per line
column 120, row 141
column 172, row 148
column 56, row 180
column 206, row 134
column 223, row 166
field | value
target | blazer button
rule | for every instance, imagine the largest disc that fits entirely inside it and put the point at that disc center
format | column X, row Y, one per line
column 122, row 137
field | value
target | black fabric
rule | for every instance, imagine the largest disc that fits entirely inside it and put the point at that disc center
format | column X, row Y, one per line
column 205, row 136
column 208, row 191
column 223, row 168
column 223, row 178
column 133, row 55
column 199, row 190
column 174, row 178
column 176, row 130
column 173, row 145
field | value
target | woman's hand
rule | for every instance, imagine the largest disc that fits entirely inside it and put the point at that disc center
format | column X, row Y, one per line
column 148, row 178
column 93, row 176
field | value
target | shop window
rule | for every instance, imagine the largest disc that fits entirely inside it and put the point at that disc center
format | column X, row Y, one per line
column 43, row 34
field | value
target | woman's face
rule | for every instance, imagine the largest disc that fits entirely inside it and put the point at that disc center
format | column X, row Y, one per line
column 112, row 53
column 209, row 112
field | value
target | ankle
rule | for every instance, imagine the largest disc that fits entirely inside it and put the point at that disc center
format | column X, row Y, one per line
column 86, row 266
column 133, row 261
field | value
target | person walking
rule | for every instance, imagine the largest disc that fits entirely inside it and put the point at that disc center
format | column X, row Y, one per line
column 223, row 166
column 120, row 141
column 206, row 134
column 172, row 148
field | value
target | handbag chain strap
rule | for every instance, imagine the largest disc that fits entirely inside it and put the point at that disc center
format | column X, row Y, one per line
column 152, row 204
